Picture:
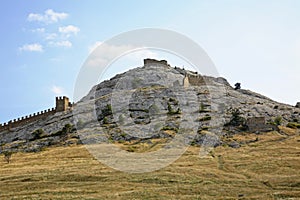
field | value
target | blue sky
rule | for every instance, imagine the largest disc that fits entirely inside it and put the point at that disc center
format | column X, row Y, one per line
column 45, row 43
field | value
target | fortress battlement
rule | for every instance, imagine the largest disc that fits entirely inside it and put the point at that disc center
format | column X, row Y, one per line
column 62, row 104
column 154, row 62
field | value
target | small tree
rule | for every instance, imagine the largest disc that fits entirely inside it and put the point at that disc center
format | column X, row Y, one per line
column 236, row 118
column 107, row 110
column 237, row 86
column 7, row 156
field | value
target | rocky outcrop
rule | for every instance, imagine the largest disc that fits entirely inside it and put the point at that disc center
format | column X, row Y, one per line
column 146, row 103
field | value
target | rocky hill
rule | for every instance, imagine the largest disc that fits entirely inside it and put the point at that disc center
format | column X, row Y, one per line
column 155, row 101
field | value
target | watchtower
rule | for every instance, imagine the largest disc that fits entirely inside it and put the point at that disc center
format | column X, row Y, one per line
column 62, row 104
column 154, row 62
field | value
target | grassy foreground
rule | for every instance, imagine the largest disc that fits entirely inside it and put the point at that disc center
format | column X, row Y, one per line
column 266, row 169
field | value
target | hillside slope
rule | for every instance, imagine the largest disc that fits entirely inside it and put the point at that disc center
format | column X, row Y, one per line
column 147, row 103
column 267, row 169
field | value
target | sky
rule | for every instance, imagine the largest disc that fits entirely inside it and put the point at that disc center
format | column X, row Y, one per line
column 45, row 43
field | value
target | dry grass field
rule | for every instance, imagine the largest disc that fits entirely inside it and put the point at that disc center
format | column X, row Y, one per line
column 268, row 168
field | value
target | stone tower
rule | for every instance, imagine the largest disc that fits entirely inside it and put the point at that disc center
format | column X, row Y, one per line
column 62, row 104
column 153, row 62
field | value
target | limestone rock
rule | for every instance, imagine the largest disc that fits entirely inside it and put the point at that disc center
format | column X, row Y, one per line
column 145, row 103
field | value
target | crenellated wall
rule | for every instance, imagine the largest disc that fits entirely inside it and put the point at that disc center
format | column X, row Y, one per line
column 62, row 104
column 152, row 62
column 26, row 119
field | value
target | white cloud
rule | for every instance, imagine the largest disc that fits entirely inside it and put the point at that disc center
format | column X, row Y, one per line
column 38, row 30
column 140, row 54
column 68, row 29
column 108, row 52
column 32, row 47
column 57, row 90
column 51, row 36
column 103, row 55
column 65, row 43
column 48, row 17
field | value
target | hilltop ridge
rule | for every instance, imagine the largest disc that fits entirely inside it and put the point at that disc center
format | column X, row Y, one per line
column 152, row 101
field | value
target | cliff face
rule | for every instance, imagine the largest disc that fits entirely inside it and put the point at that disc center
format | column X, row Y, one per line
column 151, row 102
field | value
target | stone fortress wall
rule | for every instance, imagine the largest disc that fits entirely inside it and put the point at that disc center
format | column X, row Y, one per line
column 195, row 79
column 62, row 104
column 259, row 124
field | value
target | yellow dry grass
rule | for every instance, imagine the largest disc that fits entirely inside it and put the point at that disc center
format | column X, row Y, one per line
column 266, row 169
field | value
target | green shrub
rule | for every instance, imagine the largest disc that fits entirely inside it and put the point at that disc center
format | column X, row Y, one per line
column 131, row 148
column 278, row 120
column 204, row 128
column 123, row 135
column 293, row 125
column 171, row 111
column 107, row 110
column 205, row 118
column 67, row 128
column 236, row 118
column 105, row 120
column 193, row 143
column 38, row 134
column 173, row 100
column 203, row 108
column 166, row 128
column 275, row 121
